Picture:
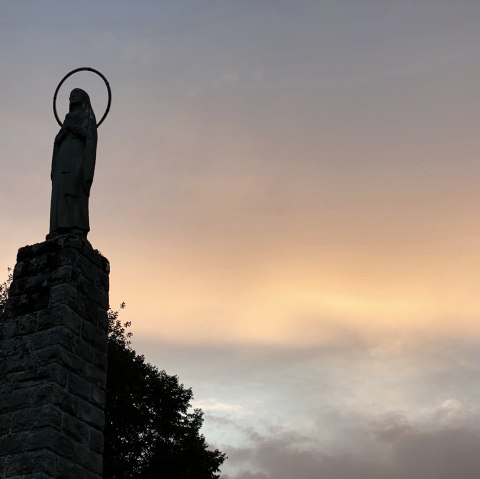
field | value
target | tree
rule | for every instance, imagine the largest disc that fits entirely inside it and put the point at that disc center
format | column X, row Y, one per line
column 150, row 430
column 4, row 287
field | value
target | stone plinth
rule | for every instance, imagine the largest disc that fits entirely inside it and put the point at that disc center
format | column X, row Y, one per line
column 53, row 363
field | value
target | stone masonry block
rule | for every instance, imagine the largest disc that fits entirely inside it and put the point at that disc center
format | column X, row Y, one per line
column 31, row 462
column 31, row 418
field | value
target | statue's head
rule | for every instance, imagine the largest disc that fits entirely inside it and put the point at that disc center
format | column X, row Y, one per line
column 79, row 97
column 80, row 101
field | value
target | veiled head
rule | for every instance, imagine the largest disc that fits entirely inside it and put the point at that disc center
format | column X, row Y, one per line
column 79, row 96
column 79, row 100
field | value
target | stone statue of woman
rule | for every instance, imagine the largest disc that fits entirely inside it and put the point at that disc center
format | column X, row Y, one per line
column 73, row 166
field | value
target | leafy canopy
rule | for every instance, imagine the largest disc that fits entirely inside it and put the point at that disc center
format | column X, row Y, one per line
column 151, row 431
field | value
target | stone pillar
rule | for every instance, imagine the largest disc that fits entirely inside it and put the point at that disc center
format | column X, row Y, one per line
column 53, row 363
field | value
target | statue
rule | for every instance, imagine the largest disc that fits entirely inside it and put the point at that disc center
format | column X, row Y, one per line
column 73, row 166
column 73, row 161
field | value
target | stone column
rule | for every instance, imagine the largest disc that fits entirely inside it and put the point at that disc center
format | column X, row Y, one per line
column 53, row 363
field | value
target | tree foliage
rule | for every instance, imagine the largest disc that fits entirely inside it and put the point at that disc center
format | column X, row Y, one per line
column 151, row 432
column 4, row 287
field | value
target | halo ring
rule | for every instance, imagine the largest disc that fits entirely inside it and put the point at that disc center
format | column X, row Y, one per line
column 88, row 69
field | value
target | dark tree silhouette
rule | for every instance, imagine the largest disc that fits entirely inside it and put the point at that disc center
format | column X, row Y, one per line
column 4, row 287
column 151, row 432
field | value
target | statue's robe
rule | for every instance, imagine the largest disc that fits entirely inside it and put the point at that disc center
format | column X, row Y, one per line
column 73, row 166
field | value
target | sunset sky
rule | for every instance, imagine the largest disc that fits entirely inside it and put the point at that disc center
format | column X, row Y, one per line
column 288, row 192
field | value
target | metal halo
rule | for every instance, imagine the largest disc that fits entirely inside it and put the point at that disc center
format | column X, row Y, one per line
column 70, row 74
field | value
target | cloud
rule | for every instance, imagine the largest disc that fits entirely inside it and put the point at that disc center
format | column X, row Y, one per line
column 250, row 475
column 212, row 404
column 282, row 458
column 348, row 409
column 413, row 453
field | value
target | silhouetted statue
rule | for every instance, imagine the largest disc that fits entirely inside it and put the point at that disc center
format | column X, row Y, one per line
column 73, row 166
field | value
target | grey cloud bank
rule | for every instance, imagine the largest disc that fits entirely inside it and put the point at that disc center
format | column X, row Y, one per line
column 357, row 409
column 412, row 454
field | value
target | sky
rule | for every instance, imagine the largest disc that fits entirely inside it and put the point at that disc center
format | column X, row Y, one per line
column 287, row 192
